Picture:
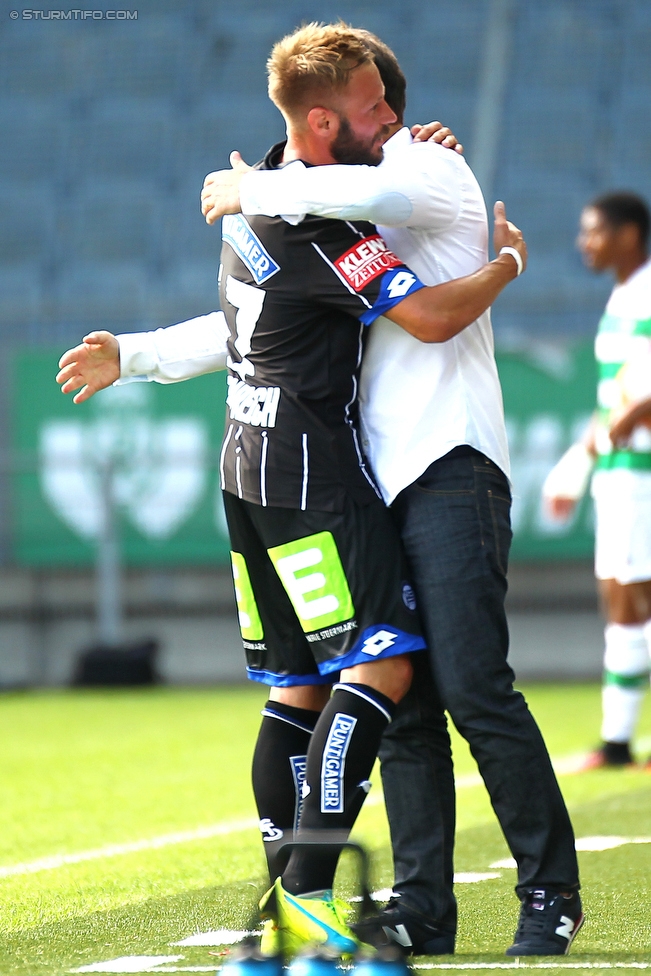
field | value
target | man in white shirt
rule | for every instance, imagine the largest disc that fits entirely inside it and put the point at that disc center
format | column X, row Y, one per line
column 434, row 432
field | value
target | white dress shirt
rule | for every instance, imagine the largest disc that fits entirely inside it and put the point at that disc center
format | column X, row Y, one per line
column 417, row 400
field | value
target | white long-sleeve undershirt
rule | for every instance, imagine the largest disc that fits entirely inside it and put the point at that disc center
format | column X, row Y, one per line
column 176, row 353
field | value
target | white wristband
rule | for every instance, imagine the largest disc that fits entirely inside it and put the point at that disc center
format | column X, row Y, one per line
column 516, row 255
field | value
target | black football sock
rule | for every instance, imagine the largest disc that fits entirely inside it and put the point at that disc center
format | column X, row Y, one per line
column 279, row 763
column 340, row 758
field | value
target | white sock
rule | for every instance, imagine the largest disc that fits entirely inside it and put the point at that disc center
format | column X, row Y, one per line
column 626, row 674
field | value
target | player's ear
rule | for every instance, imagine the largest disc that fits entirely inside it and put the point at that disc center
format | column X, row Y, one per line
column 629, row 236
column 323, row 122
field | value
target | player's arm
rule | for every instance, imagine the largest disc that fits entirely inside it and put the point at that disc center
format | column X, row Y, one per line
column 169, row 355
column 624, row 425
column 439, row 313
column 567, row 482
column 339, row 191
column 422, row 194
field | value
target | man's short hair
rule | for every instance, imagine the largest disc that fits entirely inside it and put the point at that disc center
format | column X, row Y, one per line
column 395, row 83
column 621, row 208
column 306, row 66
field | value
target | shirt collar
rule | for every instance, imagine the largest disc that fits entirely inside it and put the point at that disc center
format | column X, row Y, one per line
column 398, row 140
column 643, row 269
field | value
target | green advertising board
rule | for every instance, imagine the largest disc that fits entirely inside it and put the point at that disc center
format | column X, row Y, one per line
column 549, row 396
column 165, row 440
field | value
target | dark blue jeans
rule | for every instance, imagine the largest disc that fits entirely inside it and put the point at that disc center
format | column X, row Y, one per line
column 455, row 526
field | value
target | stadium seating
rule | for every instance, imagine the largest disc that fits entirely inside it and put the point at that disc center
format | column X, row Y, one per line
column 34, row 138
column 109, row 127
column 127, row 138
column 575, row 124
column 102, row 294
column 20, row 292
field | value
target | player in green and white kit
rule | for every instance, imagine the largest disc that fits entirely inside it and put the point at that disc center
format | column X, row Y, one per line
column 614, row 236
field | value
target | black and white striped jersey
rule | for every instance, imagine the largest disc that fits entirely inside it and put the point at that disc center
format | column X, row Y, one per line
column 297, row 299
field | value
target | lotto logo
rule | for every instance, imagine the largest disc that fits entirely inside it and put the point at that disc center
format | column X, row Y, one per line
column 378, row 642
column 400, row 284
column 365, row 261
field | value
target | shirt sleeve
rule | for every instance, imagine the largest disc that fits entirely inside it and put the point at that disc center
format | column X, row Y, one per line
column 420, row 186
column 359, row 274
column 176, row 353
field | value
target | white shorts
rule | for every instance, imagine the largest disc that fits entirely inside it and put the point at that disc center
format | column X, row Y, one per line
column 622, row 501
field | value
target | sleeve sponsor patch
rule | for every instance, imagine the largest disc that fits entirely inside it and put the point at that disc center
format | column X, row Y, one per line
column 365, row 261
column 237, row 232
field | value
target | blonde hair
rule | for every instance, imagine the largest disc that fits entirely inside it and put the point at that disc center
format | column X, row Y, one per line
column 309, row 64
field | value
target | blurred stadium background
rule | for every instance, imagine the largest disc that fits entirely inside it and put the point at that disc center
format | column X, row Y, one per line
column 108, row 128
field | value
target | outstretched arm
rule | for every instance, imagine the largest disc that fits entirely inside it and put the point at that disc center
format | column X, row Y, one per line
column 566, row 483
column 169, row 355
column 91, row 366
column 439, row 313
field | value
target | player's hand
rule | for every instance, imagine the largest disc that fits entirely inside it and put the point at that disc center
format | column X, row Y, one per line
column 436, row 132
column 621, row 428
column 221, row 190
column 624, row 423
column 560, row 509
column 93, row 365
column 506, row 234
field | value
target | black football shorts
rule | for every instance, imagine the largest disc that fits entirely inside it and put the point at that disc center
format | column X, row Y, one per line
column 319, row 591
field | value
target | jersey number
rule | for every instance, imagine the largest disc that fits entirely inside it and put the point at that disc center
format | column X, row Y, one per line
column 248, row 301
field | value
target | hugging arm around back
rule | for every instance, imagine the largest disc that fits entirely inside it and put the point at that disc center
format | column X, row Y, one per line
column 439, row 313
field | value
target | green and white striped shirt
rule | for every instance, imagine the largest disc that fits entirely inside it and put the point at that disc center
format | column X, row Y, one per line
column 623, row 353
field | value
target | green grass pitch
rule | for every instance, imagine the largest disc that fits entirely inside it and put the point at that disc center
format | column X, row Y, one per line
column 126, row 826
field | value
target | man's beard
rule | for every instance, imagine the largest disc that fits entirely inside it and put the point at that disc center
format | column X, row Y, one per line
column 347, row 148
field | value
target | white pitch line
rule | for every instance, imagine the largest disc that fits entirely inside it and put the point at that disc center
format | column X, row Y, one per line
column 165, row 840
column 593, row 844
column 127, row 964
column 177, row 969
column 524, row 965
column 217, row 937
column 473, row 966
column 132, row 847
column 564, row 766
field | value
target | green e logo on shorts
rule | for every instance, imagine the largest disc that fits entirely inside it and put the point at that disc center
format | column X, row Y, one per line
column 320, row 598
column 247, row 610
